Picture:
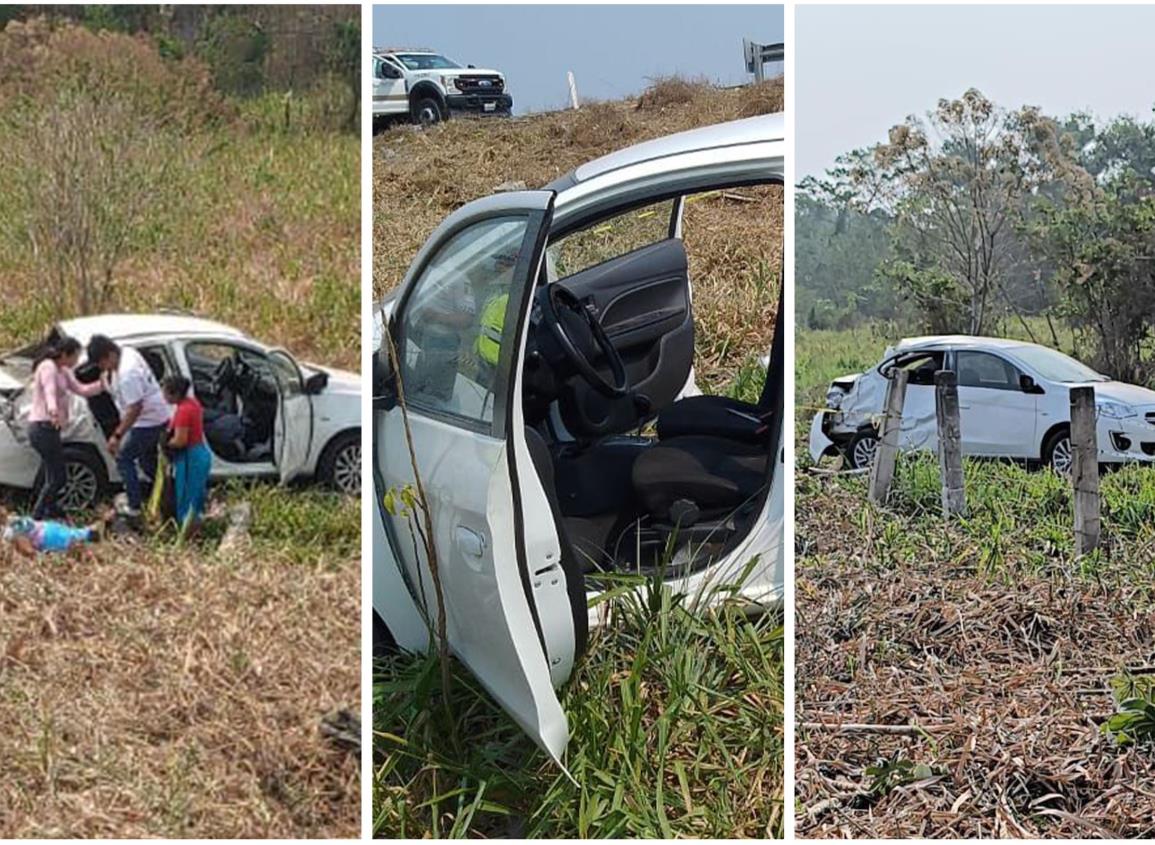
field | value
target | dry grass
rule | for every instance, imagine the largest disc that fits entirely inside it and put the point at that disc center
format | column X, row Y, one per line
column 735, row 250
column 161, row 693
column 992, row 640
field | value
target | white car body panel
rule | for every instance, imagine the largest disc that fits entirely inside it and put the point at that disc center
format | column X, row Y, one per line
column 493, row 631
column 454, row 474
column 994, row 423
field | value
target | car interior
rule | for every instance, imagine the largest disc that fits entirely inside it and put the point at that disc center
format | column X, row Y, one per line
column 637, row 478
column 239, row 394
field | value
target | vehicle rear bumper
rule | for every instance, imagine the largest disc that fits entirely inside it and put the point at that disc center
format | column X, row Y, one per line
column 480, row 103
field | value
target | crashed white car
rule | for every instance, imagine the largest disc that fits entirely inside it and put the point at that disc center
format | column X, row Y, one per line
column 1014, row 402
column 535, row 347
column 265, row 413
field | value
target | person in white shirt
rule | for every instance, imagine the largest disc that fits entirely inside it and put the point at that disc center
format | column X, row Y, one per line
column 143, row 414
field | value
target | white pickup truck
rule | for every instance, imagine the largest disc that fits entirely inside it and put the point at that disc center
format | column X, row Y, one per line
column 426, row 87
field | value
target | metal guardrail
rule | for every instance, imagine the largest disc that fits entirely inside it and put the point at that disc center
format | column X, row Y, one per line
column 758, row 55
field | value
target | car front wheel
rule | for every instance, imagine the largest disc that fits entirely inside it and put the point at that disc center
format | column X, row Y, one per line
column 341, row 464
column 862, row 448
column 85, row 481
column 1057, row 452
column 427, row 112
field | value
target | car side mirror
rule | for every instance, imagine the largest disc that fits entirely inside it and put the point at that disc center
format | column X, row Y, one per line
column 316, row 383
column 1027, row 384
column 384, row 382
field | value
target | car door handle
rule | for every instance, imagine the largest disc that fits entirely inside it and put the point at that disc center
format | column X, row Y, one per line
column 469, row 542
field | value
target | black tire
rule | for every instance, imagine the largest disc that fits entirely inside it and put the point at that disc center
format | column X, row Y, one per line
column 860, row 451
column 340, row 464
column 426, row 111
column 1058, row 446
column 86, row 480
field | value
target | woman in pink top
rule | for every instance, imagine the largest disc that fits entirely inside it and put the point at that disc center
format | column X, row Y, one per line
column 52, row 381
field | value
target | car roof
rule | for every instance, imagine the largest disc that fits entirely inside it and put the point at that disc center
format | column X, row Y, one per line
column 941, row 341
column 128, row 326
column 750, row 130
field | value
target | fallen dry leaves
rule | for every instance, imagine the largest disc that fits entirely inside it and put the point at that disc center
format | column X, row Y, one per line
column 167, row 693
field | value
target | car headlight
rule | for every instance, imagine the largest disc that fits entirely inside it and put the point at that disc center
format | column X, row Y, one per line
column 834, row 397
column 1115, row 410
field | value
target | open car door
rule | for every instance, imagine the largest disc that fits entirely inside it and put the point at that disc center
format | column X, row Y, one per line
column 293, row 431
column 515, row 613
column 642, row 299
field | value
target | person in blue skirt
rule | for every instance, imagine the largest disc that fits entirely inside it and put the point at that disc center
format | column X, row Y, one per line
column 191, row 458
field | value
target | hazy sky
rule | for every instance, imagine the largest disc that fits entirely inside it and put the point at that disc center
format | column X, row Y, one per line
column 861, row 69
column 611, row 49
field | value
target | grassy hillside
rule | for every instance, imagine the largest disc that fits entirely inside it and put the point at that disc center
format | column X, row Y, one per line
column 259, row 230
column 160, row 689
column 999, row 654
column 676, row 718
column 735, row 250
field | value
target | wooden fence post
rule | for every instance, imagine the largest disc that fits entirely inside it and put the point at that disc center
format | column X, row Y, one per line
column 1085, row 469
column 954, row 497
column 886, row 455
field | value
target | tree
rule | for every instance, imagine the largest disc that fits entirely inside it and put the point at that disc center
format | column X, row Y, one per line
column 958, row 185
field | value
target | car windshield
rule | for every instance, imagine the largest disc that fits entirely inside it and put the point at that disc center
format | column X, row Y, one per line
column 425, row 61
column 1055, row 366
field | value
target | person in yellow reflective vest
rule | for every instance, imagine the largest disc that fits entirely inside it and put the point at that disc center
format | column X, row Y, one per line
column 491, row 326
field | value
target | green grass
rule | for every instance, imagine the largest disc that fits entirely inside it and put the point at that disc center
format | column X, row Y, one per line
column 1018, row 521
column 676, row 730
column 259, row 228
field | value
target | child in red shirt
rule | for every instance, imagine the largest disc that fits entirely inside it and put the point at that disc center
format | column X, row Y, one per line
column 192, row 461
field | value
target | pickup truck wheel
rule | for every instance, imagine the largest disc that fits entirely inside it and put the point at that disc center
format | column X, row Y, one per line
column 340, row 465
column 427, row 112
column 85, row 481
column 1057, row 452
column 861, row 450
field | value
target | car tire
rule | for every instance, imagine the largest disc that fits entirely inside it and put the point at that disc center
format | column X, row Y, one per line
column 1057, row 451
column 340, row 465
column 426, row 112
column 860, row 452
column 85, row 480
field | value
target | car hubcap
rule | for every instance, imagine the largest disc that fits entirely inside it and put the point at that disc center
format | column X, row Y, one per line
column 864, row 451
column 1061, row 457
column 347, row 470
column 80, row 487
column 427, row 116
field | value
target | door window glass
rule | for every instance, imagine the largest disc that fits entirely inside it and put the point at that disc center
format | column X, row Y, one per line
column 610, row 238
column 923, row 367
column 454, row 327
column 980, row 369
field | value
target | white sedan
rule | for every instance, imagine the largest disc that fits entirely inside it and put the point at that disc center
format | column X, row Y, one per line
column 534, row 349
column 266, row 415
column 1014, row 401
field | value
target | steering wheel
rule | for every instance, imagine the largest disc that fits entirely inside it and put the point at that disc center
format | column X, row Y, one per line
column 581, row 337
